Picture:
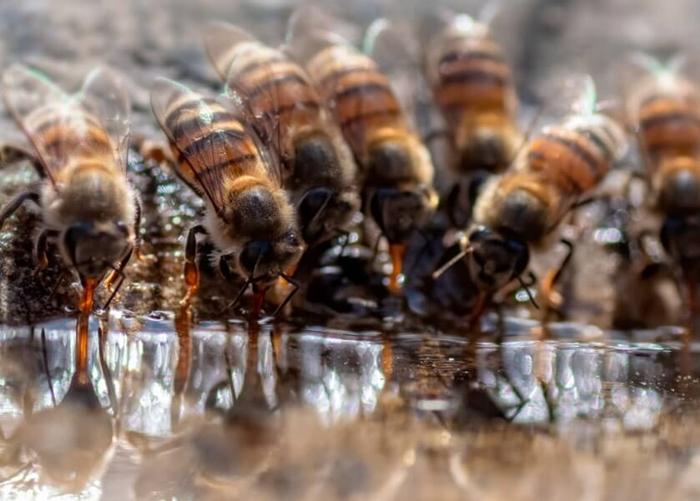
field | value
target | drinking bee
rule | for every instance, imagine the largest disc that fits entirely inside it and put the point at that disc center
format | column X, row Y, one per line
column 474, row 89
column 664, row 110
column 523, row 206
column 318, row 170
column 395, row 167
column 88, row 208
column 248, row 217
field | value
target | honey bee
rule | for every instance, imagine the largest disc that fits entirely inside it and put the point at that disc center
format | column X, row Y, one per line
column 88, row 208
column 395, row 167
column 474, row 89
column 248, row 217
column 522, row 207
column 664, row 109
column 317, row 166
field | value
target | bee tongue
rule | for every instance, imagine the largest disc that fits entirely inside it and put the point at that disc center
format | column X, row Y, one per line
column 86, row 301
column 396, row 251
column 256, row 305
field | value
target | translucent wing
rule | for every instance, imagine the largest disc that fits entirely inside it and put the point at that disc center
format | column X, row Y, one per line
column 396, row 49
column 104, row 96
column 220, row 41
column 211, row 140
column 29, row 97
column 311, row 28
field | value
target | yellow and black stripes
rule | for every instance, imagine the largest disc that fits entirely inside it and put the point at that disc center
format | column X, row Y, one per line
column 670, row 125
column 211, row 145
column 360, row 95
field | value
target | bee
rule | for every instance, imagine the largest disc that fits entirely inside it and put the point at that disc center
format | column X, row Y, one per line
column 395, row 167
column 473, row 87
column 88, row 208
column 317, row 166
column 664, row 109
column 248, row 215
column 522, row 207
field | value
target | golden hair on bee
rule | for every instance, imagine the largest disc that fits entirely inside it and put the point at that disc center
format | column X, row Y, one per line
column 88, row 208
column 318, row 169
column 473, row 87
column 248, row 215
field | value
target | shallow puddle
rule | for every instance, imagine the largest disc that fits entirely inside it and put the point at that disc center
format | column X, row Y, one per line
column 331, row 414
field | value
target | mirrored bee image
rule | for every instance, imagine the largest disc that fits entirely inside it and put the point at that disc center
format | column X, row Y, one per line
column 663, row 107
column 473, row 87
column 520, row 210
column 248, row 216
column 395, row 169
column 317, row 167
column 88, row 209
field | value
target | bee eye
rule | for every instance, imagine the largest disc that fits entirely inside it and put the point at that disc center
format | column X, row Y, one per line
column 293, row 239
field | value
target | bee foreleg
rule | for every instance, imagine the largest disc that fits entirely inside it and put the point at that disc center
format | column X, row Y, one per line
column 40, row 248
column 137, row 226
column 295, row 288
column 15, row 204
column 117, row 276
column 553, row 276
column 191, row 270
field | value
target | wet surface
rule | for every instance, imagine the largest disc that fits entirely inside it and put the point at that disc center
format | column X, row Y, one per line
column 329, row 411
column 316, row 413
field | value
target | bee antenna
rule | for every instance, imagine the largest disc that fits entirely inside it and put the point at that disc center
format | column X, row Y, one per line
column 528, row 292
column 449, row 264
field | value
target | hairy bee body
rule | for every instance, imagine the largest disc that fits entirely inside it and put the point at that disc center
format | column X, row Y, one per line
column 88, row 207
column 667, row 116
column 248, row 214
column 474, row 89
column 557, row 167
column 317, row 167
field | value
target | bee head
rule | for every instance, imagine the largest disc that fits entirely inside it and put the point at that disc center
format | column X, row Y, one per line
column 93, row 248
column 399, row 212
column 268, row 258
column 495, row 258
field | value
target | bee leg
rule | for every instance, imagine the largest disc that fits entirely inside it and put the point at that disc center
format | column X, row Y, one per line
column 40, row 249
column 45, row 363
column 375, row 248
column 137, row 227
column 552, row 297
column 15, row 203
column 295, row 288
column 191, row 270
column 118, row 272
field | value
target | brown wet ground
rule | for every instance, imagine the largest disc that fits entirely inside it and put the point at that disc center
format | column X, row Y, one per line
column 315, row 412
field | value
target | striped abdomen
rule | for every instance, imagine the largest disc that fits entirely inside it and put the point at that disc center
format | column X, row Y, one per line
column 69, row 139
column 359, row 95
column 218, row 154
column 669, row 126
column 576, row 155
column 274, row 87
column 471, row 77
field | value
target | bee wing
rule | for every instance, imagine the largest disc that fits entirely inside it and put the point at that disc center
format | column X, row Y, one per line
column 396, row 49
column 220, row 40
column 104, row 96
column 204, row 138
column 311, row 28
column 28, row 95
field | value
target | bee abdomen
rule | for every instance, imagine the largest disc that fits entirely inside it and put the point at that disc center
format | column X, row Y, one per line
column 669, row 124
column 237, row 155
column 569, row 159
